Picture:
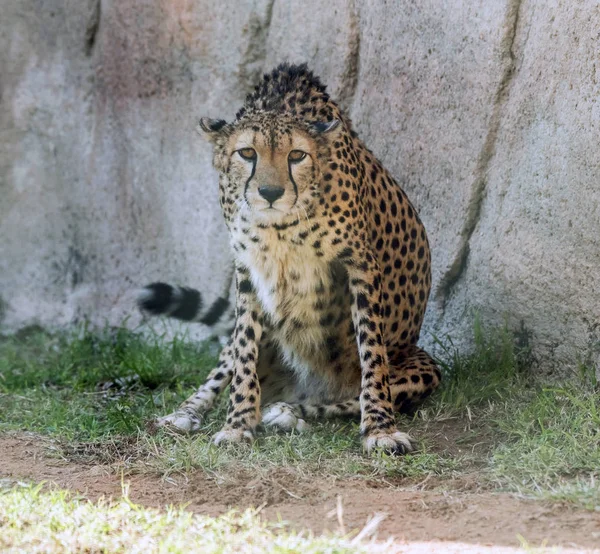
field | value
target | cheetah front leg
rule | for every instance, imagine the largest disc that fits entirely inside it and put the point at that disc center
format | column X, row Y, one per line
column 188, row 417
column 378, row 427
column 244, row 406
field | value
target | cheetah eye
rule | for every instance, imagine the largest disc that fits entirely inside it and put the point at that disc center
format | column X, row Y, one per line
column 247, row 153
column 296, row 156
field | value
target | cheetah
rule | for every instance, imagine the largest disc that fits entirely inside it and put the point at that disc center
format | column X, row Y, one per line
column 332, row 274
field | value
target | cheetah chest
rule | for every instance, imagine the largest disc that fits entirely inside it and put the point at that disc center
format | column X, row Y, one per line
column 294, row 287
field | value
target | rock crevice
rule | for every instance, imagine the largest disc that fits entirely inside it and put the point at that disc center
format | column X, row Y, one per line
column 478, row 187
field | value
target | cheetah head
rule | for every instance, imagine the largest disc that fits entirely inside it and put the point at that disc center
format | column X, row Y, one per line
column 271, row 165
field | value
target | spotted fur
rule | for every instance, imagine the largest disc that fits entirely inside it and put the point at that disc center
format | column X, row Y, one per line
column 332, row 269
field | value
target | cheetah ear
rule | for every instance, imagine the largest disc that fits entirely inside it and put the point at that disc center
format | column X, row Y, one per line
column 323, row 127
column 211, row 128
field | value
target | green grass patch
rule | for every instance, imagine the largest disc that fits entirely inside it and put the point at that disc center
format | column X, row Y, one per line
column 34, row 520
column 53, row 385
column 494, row 370
column 81, row 359
column 552, row 445
column 491, row 415
column 544, row 439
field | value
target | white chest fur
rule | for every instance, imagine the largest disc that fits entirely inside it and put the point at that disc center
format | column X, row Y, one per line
column 286, row 276
column 289, row 279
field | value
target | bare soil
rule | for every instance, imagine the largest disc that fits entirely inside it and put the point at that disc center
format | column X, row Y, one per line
column 462, row 513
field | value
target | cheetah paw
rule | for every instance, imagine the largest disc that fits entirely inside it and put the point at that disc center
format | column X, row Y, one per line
column 233, row 436
column 181, row 421
column 395, row 443
column 281, row 415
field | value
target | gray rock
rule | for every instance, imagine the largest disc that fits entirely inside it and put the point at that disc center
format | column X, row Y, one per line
column 534, row 255
column 486, row 112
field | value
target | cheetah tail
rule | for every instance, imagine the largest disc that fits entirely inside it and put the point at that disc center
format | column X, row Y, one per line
column 185, row 303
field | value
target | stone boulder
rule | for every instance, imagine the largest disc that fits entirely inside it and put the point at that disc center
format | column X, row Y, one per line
column 486, row 112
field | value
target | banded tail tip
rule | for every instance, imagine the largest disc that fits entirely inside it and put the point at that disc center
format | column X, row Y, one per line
column 156, row 298
column 163, row 299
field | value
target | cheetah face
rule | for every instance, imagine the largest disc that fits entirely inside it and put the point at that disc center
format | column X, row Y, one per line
column 271, row 168
column 274, row 177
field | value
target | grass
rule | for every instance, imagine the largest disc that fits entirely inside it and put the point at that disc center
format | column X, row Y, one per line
column 494, row 370
column 35, row 520
column 517, row 433
column 553, row 446
column 49, row 385
column 546, row 437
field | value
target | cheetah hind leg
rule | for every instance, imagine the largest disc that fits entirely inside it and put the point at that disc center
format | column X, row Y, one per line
column 289, row 417
column 413, row 379
column 284, row 417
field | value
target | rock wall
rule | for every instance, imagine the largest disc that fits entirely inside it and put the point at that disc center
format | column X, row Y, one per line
column 487, row 113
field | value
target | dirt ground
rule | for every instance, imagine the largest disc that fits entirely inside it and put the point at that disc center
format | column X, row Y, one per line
column 462, row 513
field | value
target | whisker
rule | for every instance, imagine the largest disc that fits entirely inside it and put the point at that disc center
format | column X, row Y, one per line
column 305, row 213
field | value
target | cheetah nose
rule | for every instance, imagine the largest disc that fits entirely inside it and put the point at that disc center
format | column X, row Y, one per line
column 270, row 193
